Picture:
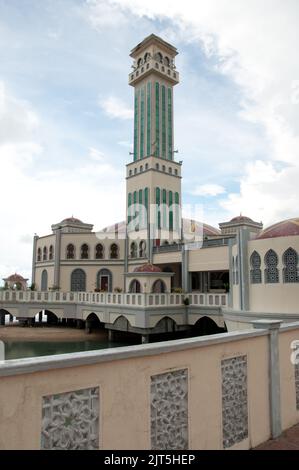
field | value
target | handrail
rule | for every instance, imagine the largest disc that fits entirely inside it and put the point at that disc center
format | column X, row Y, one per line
column 113, row 298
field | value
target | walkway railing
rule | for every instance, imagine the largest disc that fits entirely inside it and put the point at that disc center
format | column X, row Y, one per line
column 106, row 298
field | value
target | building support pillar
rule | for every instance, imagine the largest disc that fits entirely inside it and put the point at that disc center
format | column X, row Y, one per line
column 79, row 324
column 88, row 325
column 145, row 339
column 110, row 335
column 185, row 275
column 34, row 256
column 274, row 384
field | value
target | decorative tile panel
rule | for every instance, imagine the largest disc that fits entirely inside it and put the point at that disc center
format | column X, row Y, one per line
column 234, row 400
column 169, row 410
column 71, row 420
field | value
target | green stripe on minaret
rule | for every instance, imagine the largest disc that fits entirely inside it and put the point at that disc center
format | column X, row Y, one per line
column 169, row 99
column 157, row 151
column 148, row 120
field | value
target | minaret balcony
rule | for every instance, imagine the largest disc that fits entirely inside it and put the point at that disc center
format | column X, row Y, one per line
column 151, row 66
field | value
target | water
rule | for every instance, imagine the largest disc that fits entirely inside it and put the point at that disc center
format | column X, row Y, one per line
column 21, row 349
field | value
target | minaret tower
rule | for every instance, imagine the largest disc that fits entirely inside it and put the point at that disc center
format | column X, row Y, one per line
column 153, row 178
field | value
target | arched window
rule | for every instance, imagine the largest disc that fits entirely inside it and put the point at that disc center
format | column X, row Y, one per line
column 135, row 287
column 45, row 253
column 104, row 280
column 51, row 252
column 133, row 250
column 78, row 281
column 84, row 251
column 142, row 249
column 44, row 280
column 141, row 169
column 255, row 271
column 157, row 166
column 159, row 287
column 166, row 61
column 114, row 251
column 99, row 251
column 139, row 62
column 70, row 251
column 159, row 57
column 146, row 57
column 271, row 271
column 39, row 254
column 290, row 261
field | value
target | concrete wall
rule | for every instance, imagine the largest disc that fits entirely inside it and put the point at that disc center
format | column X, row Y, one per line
column 125, row 377
column 91, row 271
column 278, row 297
column 209, row 259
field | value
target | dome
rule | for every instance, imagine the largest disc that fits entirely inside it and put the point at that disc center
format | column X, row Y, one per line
column 199, row 227
column 285, row 228
column 147, row 268
column 71, row 220
column 15, row 278
column 242, row 218
column 208, row 230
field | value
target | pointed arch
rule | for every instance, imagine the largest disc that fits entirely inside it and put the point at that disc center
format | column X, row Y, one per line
column 135, row 287
column 290, row 270
column 104, row 280
column 78, row 280
column 44, row 280
column 70, row 251
column 99, row 251
column 271, row 270
column 255, row 271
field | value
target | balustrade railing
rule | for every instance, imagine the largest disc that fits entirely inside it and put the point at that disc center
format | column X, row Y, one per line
column 107, row 298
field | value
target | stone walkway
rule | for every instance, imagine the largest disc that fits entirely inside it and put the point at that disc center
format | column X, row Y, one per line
column 289, row 440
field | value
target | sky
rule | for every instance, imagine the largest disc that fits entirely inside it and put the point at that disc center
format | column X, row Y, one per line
column 66, row 110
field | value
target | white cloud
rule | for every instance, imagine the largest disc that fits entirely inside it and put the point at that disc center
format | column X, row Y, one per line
column 96, row 154
column 208, row 190
column 33, row 199
column 102, row 14
column 115, row 108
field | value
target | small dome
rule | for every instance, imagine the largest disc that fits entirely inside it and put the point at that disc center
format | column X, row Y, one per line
column 71, row 220
column 15, row 278
column 199, row 227
column 285, row 228
column 242, row 218
column 147, row 268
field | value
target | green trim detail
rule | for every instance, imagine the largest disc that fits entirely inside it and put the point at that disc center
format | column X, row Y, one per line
column 170, row 211
column 136, row 125
column 157, row 150
column 177, row 211
column 148, row 119
column 163, row 122
column 146, row 205
column 158, row 201
column 164, row 223
column 169, row 116
column 141, row 215
column 142, row 122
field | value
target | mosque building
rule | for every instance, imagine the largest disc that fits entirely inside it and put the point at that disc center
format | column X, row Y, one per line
column 155, row 249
